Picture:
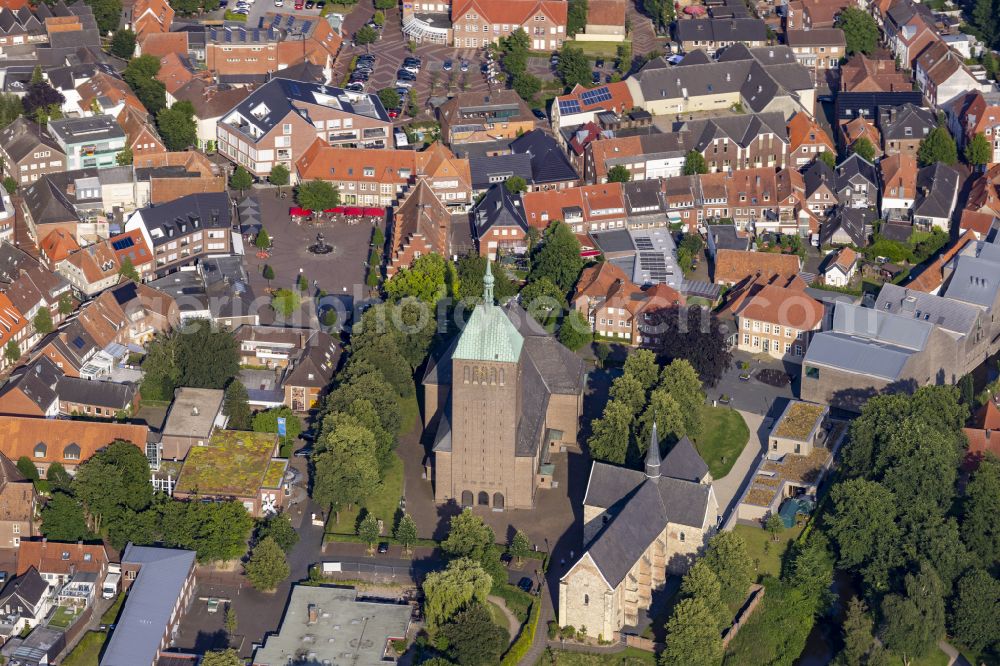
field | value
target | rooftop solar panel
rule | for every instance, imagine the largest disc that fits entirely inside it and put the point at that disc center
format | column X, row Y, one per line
column 596, row 95
column 123, row 243
column 569, row 106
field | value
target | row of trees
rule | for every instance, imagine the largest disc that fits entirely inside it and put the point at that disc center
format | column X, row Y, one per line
column 925, row 565
column 111, row 497
column 644, row 393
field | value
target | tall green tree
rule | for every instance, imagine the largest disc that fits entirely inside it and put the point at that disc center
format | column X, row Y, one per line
column 558, row 257
column 368, row 531
column 43, row 320
column 516, row 185
column 975, row 619
column 863, row 527
column 227, row 657
column 267, row 566
column 575, row 331
column 279, row 176
column 12, row 351
column 701, row 583
column 317, row 195
column 520, row 546
column 978, row 152
column 27, row 468
column 576, row 19
column 696, row 335
column 347, row 471
column 857, row 629
column 680, row 379
column 914, row 620
column 693, row 637
column 177, row 126
column 240, row 180
column 609, row 434
column 864, row 148
column 543, row 299
column 980, row 528
column 619, row 174
column 938, row 146
column 63, row 519
column 406, row 532
column 59, row 478
column 429, row 278
column 267, row 421
column 365, row 35
column 123, row 43
column 471, row 268
column 447, row 592
column 236, row 405
column 468, row 536
column 129, row 271
column 140, row 75
column 694, row 163
column 727, row 556
column 860, row 30
column 113, row 479
column 11, row 109
column 473, row 638
column 574, row 66
column 278, row 527
column 389, row 98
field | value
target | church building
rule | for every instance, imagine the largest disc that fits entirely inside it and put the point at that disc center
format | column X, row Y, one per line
column 501, row 398
column 638, row 528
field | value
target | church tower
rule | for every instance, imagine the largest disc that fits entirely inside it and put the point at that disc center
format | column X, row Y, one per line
column 485, row 401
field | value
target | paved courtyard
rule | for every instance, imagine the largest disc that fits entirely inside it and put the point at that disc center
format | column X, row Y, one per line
column 341, row 273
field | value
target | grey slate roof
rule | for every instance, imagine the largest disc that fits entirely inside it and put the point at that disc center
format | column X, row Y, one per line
column 12, row 261
column 720, row 30
column 499, row 208
column 937, row 187
column 23, row 137
column 282, row 96
column 906, row 121
column 683, row 462
column 855, row 222
column 817, row 175
column 643, row 197
column 976, row 277
column 549, row 163
column 29, row 587
column 954, row 316
column 150, row 603
column 487, row 171
column 853, row 167
column 741, row 129
column 757, row 74
column 207, row 210
column 37, row 382
column 110, row 395
column 850, row 105
column 640, row 508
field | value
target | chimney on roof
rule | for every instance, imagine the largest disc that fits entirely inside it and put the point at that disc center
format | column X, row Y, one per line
column 313, row 611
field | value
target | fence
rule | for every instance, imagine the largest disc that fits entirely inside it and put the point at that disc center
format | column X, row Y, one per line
column 756, row 594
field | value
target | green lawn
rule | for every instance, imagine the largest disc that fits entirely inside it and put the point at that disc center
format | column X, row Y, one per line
column 383, row 502
column 627, row 657
column 764, row 552
column 111, row 615
column 935, row 658
column 409, row 413
column 724, row 434
column 499, row 617
column 62, row 617
column 87, row 650
column 599, row 49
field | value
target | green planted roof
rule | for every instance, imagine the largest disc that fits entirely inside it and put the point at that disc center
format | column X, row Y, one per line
column 489, row 336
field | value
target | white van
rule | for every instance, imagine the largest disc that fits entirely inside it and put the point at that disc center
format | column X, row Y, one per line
column 110, row 587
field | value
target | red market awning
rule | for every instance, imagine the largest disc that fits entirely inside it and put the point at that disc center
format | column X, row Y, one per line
column 374, row 212
column 590, row 253
column 694, row 10
column 299, row 212
column 353, row 211
column 337, row 209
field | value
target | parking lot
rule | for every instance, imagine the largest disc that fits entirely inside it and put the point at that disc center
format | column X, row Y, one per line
column 258, row 8
column 390, row 51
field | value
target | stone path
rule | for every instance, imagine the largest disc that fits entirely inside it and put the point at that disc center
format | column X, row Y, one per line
column 513, row 624
column 728, row 488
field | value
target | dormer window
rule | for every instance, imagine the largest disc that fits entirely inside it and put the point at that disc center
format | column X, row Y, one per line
column 71, row 452
column 40, row 450
column 87, row 557
column 65, row 555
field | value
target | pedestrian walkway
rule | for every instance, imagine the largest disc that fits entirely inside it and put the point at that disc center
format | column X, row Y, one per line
column 729, row 487
column 513, row 624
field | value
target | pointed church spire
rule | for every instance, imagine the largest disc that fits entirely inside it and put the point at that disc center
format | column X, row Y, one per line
column 653, row 455
column 488, row 283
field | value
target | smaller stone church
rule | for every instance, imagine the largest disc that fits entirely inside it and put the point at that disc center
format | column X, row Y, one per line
column 638, row 528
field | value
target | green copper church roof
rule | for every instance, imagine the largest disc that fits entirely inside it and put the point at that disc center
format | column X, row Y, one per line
column 489, row 336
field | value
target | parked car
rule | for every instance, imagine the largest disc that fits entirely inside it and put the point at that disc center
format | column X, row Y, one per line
column 299, row 4
column 310, row 4
column 356, row 87
column 538, row 113
column 400, row 83
column 393, row 113
column 465, row 65
column 412, row 69
column 599, row 63
column 383, row 547
column 447, row 65
column 744, row 376
column 213, row 605
column 525, row 584
column 359, row 76
column 402, row 91
column 595, row 77
column 505, row 559
column 279, row 3
column 320, row 5
column 305, row 451
column 405, row 75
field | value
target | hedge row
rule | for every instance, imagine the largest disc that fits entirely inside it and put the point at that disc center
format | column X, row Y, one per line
column 523, row 643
